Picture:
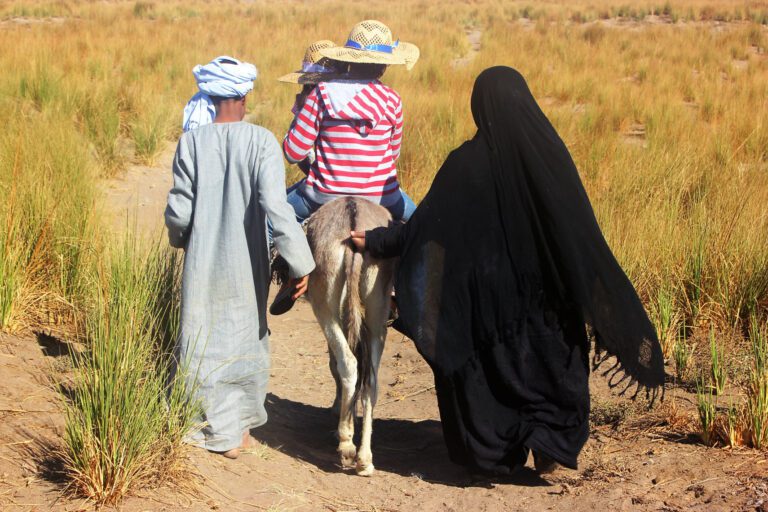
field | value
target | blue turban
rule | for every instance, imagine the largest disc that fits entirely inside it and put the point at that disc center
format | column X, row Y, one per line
column 224, row 77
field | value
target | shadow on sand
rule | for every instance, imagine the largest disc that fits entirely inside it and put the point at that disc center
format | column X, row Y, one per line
column 404, row 447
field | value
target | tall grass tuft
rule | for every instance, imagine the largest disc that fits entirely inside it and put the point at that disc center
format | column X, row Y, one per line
column 707, row 408
column 757, row 392
column 666, row 320
column 682, row 355
column 695, row 283
column 45, row 218
column 129, row 410
column 718, row 373
column 150, row 133
column 734, row 427
column 101, row 121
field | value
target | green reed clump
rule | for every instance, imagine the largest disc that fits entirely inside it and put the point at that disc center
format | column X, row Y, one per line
column 664, row 315
column 757, row 391
column 11, row 277
column 695, row 284
column 149, row 133
column 129, row 409
column 734, row 425
column 45, row 219
column 682, row 354
column 40, row 10
column 42, row 86
column 707, row 409
column 145, row 10
column 101, row 121
column 718, row 370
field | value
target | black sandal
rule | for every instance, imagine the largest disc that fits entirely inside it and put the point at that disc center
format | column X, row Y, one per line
column 283, row 301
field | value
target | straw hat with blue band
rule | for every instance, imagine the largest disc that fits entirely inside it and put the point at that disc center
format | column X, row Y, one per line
column 314, row 68
column 371, row 42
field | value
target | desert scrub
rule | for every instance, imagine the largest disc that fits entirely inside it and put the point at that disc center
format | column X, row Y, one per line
column 682, row 354
column 129, row 409
column 718, row 370
column 664, row 314
column 706, row 404
column 45, row 218
column 757, row 392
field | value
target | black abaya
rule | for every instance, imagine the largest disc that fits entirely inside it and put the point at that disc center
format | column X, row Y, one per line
column 501, row 266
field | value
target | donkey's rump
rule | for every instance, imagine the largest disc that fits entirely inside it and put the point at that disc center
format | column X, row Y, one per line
column 328, row 229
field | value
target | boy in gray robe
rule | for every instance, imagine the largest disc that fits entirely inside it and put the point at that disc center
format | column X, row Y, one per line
column 228, row 179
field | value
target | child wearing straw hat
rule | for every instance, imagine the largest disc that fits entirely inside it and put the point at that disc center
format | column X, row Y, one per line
column 352, row 125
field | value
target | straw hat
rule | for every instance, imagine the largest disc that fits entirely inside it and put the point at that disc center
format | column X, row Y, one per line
column 314, row 67
column 371, row 42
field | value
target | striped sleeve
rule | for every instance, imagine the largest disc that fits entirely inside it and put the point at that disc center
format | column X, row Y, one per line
column 300, row 140
column 397, row 132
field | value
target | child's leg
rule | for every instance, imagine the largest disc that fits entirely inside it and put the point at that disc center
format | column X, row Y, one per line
column 301, row 206
column 403, row 209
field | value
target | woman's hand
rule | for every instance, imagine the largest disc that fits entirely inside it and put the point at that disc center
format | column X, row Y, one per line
column 358, row 239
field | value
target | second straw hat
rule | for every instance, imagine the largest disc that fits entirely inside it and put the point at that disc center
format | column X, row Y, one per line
column 314, row 67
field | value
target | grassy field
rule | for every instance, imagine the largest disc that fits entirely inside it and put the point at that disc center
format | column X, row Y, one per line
column 663, row 105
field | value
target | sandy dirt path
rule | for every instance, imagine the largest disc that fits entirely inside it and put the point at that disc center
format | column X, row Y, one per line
column 649, row 462
column 135, row 199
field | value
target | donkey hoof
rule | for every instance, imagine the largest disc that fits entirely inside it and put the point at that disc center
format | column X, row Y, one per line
column 364, row 469
column 347, row 452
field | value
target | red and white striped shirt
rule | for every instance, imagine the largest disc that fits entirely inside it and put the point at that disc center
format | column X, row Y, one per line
column 355, row 129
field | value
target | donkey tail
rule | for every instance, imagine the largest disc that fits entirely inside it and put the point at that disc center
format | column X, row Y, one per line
column 356, row 330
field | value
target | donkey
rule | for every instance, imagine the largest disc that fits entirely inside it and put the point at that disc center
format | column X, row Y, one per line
column 350, row 296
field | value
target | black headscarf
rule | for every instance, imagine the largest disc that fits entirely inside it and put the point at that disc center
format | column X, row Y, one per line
column 550, row 235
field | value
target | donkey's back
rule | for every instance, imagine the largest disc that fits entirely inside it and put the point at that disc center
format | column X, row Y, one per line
column 349, row 292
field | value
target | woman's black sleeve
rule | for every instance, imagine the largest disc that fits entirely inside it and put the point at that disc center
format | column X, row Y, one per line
column 386, row 242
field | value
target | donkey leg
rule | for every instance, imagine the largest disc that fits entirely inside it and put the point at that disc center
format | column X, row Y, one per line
column 346, row 366
column 336, row 406
column 364, row 462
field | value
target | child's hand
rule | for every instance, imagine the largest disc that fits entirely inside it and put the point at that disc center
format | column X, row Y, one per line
column 299, row 286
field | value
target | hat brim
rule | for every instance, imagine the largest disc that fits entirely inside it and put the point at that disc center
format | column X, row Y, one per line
column 409, row 52
column 303, row 78
column 404, row 54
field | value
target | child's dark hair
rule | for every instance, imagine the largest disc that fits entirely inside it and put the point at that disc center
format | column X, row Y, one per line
column 365, row 70
column 218, row 99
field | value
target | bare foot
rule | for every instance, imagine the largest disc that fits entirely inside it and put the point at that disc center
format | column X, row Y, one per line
column 247, row 442
column 232, row 454
column 543, row 463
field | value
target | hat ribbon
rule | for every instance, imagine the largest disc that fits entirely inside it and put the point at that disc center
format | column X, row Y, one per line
column 310, row 67
column 383, row 48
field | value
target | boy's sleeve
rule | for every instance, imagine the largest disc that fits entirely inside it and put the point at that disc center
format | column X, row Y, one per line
column 181, row 199
column 397, row 134
column 299, row 143
column 287, row 234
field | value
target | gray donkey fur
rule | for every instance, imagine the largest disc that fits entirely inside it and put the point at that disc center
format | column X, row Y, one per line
column 350, row 296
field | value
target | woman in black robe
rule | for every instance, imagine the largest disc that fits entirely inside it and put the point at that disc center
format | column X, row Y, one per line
column 501, row 267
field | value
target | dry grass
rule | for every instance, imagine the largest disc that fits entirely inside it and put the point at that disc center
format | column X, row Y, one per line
column 665, row 121
column 662, row 104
